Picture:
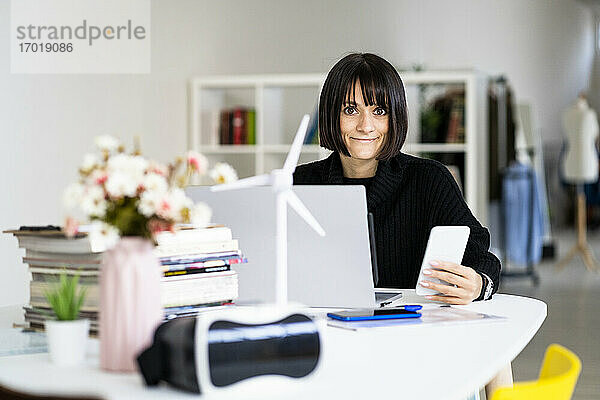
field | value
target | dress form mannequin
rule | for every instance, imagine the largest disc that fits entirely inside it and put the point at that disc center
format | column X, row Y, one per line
column 580, row 166
column 581, row 131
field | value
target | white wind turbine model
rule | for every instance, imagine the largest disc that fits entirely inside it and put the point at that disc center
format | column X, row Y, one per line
column 281, row 181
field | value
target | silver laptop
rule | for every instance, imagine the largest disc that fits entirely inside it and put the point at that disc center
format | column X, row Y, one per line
column 330, row 271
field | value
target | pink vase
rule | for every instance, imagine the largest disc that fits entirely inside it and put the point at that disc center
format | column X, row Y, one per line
column 130, row 306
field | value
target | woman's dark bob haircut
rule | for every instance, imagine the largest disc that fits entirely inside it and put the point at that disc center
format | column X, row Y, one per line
column 380, row 85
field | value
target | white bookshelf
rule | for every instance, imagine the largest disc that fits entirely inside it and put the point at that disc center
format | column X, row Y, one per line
column 281, row 99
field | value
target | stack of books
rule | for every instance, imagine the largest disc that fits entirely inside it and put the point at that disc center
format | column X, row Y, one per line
column 196, row 266
column 197, row 269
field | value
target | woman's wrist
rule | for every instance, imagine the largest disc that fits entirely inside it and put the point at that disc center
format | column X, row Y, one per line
column 486, row 287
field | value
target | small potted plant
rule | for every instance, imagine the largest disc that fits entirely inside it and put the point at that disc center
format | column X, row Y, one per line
column 67, row 335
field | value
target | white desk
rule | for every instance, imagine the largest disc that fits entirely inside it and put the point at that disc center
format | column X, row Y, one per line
column 411, row 361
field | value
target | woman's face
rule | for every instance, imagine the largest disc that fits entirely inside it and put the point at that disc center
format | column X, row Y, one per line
column 363, row 127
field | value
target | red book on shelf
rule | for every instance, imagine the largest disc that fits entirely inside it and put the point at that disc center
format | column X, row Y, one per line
column 237, row 125
column 245, row 126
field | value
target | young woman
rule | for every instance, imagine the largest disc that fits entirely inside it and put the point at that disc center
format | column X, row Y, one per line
column 363, row 120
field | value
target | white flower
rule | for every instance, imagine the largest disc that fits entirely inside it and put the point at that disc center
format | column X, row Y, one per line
column 149, row 202
column 120, row 185
column 169, row 206
column 223, row 173
column 93, row 202
column 155, row 182
column 200, row 215
column 90, row 160
column 107, row 143
column 134, row 166
column 197, row 161
column 102, row 235
column 177, row 201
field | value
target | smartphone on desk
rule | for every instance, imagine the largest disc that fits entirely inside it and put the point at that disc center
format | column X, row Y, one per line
column 374, row 314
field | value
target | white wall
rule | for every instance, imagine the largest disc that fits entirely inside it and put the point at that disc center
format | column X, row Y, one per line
column 47, row 122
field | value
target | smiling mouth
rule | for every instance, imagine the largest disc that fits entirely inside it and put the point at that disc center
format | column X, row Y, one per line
column 367, row 140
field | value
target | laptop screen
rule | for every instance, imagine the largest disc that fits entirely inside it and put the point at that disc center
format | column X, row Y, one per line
column 330, row 271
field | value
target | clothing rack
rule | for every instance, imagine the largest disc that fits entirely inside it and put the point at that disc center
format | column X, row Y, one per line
column 502, row 153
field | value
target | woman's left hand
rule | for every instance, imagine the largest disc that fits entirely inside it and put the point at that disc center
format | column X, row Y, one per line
column 466, row 283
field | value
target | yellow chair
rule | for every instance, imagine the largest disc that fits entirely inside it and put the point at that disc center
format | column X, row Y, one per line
column 558, row 376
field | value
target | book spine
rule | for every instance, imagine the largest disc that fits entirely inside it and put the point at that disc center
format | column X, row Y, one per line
column 194, row 236
column 199, row 291
column 58, row 245
column 251, row 127
column 224, row 127
column 193, row 271
column 237, row 123
column 245, row 126
column 89, row 258
column 58, row 265
column 203, row 264
column 229, row 127
column 55, row 271
column 179, row 279
column 199, row 257
column 209, row 247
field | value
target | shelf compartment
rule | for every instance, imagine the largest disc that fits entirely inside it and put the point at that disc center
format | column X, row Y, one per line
column 283, row 110
column 212, row 101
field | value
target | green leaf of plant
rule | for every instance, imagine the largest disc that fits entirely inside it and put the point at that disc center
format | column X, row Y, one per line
column 64, row 299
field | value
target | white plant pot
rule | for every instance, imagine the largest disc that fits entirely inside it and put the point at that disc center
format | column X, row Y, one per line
column 67, row 341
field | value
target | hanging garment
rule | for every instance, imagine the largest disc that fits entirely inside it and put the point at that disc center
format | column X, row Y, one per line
column 522, row 215
column 501, row 133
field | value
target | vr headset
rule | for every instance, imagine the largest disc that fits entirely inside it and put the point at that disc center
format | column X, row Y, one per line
column 217, row 349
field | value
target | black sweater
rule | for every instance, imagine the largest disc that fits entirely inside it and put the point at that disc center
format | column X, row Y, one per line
column 408, row 197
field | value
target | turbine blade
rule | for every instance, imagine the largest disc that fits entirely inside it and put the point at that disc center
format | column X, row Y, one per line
column 295, row 202
column 292, row 159
column 259, row 180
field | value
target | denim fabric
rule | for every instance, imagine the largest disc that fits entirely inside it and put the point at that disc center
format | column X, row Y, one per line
column 523, row 222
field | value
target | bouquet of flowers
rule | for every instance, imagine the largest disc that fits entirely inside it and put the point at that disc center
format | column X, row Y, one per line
column 124, row 194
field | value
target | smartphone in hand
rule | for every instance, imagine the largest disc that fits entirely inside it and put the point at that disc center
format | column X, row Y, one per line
column 446, row 243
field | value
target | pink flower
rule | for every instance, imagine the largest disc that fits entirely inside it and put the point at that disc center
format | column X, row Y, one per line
column 197, row 162
column 101, row 179
column 98, row 176
column 71, row 227
column 164, row 209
